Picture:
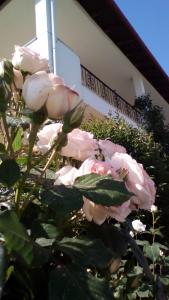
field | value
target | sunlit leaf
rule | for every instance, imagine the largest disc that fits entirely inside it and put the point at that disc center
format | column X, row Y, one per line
column 102, row 189
column 15, row 235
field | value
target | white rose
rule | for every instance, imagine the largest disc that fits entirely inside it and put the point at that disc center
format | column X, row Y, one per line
column 36, row 89
column 153, row 208
column 29, row 61
column 138, row 226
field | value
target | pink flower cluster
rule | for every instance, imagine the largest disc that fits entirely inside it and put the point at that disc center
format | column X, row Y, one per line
column 117, row 163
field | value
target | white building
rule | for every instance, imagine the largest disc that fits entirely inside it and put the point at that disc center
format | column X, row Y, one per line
column 92, row 46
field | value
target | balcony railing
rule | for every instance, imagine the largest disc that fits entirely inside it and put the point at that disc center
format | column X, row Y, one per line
column 101, row 89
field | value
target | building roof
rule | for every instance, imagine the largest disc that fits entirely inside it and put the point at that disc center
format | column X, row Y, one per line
column 113, row 22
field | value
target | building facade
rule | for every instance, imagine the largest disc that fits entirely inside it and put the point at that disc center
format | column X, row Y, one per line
column 93, row 47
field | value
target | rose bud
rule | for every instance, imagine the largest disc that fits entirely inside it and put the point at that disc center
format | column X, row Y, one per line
column 61, row 100
column 28, row 61
column 36, row 89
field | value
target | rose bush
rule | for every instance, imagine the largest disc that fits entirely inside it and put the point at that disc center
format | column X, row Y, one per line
column 48, row 196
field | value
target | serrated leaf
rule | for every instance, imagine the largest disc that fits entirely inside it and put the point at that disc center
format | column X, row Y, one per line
column 62, row 199
column 17, row 143
column 2, row 268
column 70, row 283
column 15, row 235
column 86, row 252
column 152, row 252
column 9, row 172
column 102, row 189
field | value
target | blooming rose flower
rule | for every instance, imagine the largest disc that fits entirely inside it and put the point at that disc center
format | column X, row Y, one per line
column 138, row 226
column 137, row 181
column 29, row 61
column 92, row 211
column 36, row 89
column 80, row 146
column 108, row 148
column 47, row 135
column 66, row 175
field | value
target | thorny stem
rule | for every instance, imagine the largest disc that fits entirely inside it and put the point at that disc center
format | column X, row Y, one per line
column 32, row 139
column 55, row 147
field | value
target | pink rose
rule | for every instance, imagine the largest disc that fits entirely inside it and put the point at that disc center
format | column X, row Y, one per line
column 108, row 148
column 47, row 135
column 94, row 212
column 80, row 146
column 29, row 61
column 36, row 89
column 137, row 181
column 46, row 89
column 66, row 175
column 61, row 99
column 99, row 213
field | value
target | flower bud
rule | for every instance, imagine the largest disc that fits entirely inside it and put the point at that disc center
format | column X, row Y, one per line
column 73, row 119
column 154, row 208
column 6, row 71
column 61, row 100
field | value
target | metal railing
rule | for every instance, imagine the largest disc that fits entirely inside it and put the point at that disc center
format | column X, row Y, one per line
column 101, row 89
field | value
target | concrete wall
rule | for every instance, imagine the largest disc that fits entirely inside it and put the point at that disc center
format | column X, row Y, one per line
column 17, row 25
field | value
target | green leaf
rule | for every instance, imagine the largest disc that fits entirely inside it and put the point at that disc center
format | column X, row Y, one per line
column 86, row 252
column 18, row 122
column 70, row 283
column 4, row 96
column 152, row 252
column 112, row 237
column 62, row 199
column 9, row 172
column 22, row 160
column 102, row 189
column 43, row 242
column 2, row 268
column 3, row 154
column 15, row 235
column 17, row 143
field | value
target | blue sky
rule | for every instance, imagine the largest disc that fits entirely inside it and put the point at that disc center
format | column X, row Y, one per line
column 150, row 18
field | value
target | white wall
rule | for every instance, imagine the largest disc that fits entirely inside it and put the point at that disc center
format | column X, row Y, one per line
column 68, row 66
column 17, row 25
